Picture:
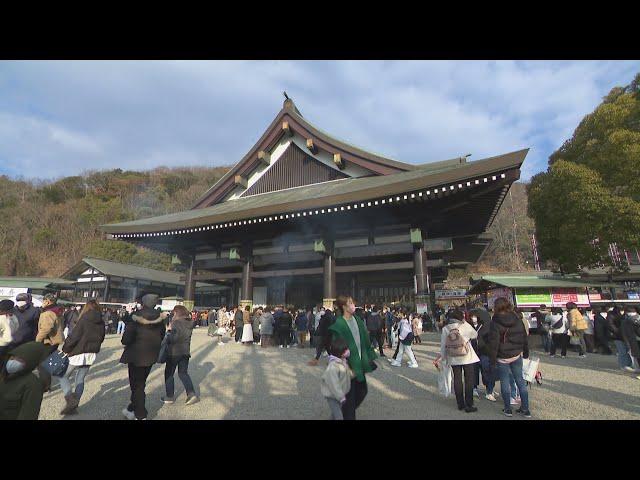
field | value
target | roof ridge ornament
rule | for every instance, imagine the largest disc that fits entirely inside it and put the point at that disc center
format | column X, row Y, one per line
column 289, row 105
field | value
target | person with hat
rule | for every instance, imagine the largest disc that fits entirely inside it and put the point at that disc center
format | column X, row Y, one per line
column 8, row 327
column 27, row 316
column 142, row 339
column 50, row 326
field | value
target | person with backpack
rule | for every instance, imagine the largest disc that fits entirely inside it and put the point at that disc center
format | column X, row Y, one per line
column 142, row 339
column 577, row 327
column 81, row 346
column 456, row 350
column 374, row 327
column 508, row 346
column 558, row 329
column 405, row 337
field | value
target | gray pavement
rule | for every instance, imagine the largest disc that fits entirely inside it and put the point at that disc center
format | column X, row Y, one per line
column 236, row 382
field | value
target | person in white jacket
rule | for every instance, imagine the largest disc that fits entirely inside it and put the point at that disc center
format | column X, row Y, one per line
column 559, row 337
column 8, row 326
column 336, row 379
column 404, row 329
column 456, row 350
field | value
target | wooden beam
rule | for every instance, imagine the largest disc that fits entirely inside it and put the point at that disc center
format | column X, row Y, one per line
column 312, row 148
column 337, row 159
column 375, row 267
column 264, row 157
column 286, row 129
column 240, row 180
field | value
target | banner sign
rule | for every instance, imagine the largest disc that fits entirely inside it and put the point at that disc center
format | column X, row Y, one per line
column 445, row 294
column 562, row 296
column 533, row 297
column 11, row 292
column 492, row 295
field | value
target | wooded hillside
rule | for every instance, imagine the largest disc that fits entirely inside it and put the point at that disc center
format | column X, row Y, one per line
column 47, row 227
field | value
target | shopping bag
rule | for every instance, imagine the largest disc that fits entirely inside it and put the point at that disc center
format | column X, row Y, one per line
column 573, row 340
column 444, row 379
column 530, row 368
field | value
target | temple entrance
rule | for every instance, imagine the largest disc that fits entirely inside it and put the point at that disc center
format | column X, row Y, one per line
column 304, row 291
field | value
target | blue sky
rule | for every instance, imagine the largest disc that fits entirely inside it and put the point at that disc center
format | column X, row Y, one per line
column 61, row 118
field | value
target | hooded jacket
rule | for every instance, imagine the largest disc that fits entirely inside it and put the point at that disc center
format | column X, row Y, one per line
column 142, row 338
column 21, row 393
column 180, row 338
column 87, row 336
column 336, row 379
column 507, row 337
column 27, row 324
column 50, row 326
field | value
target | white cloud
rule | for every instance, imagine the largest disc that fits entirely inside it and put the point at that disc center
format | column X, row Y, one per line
column 59, row 118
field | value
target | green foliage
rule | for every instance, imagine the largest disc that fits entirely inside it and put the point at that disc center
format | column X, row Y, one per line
column 589, row 196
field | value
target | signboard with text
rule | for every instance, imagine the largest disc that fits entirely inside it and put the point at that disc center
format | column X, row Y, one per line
column 561, row 296
column 11, row 292
column 446, row 294
column 533, row 297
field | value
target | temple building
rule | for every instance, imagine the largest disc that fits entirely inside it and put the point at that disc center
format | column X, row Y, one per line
column 303, row 217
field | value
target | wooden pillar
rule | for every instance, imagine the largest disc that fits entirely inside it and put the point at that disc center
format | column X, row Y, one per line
column 420, row 269
column 247, row 281
column 190, row 283
column 329, row 275
column 107, row 289
column 135, row 290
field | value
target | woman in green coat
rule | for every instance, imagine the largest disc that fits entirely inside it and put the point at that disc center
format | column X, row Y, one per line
column 352, row 330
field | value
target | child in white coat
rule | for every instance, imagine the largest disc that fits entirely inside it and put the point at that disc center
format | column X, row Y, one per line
column 336, row 379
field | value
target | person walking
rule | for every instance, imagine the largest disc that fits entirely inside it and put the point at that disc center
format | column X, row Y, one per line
column 405, row 336
column 179, row 330
column 388, row 323
column 266, row 327
column 323, row 335
column 577, row 327
column 20, row 390
column 336, row 379
column 49, row 331
column 28, row 317
column 81, row 346
column 558, row 328
column 361, row 360
column 142, row 339
column 508, row 345
column 456, row 350
column 488, row 372
column 375, row 325
column 212, row 316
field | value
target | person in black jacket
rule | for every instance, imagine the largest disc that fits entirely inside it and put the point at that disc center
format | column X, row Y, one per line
column 179, row 330
column 81, row 346
column 601, row 331
column 142, row 339
column 284, row 324
column 614, row 323
column 630, row 330
column 323, row 337
column 508, row 345
column 28, row 317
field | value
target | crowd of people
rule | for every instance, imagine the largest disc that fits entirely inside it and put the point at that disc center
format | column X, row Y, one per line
column 38, row 344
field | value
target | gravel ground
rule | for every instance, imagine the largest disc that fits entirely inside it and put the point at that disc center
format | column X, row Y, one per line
column 250, row 383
